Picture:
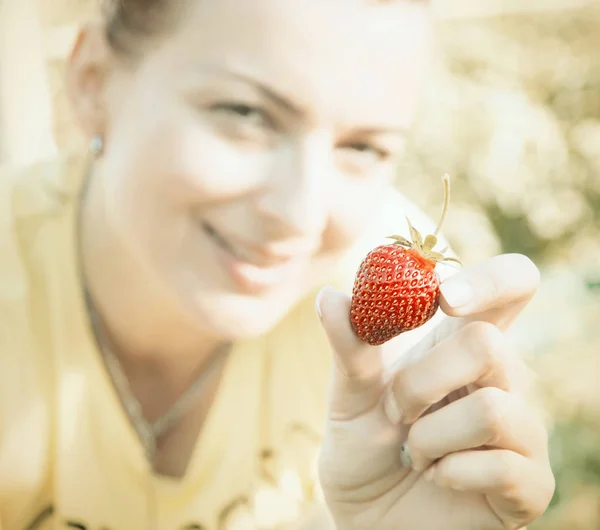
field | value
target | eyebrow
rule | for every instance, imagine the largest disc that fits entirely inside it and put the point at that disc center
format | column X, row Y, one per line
column 266, row 90
column 298, row 110
column 384, row 129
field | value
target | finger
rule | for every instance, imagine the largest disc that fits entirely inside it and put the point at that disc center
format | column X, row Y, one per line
column 476, row 354
column 520, row 489
column 495, row 291
column 358, row 366
column 488, row 417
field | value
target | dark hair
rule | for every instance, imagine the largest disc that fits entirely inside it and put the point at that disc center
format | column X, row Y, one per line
column 132, row 22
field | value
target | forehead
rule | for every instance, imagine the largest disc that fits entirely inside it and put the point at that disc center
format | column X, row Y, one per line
column 327, row 55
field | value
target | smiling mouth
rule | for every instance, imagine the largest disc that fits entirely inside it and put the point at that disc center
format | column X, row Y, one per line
column 223, row 243
column 259, row 256
column 252, row 268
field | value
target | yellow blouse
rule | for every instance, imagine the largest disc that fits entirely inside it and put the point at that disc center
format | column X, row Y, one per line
column 69, row 457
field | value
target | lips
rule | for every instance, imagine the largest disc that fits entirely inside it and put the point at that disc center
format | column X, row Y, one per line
column 257, row 255
column 254, row 269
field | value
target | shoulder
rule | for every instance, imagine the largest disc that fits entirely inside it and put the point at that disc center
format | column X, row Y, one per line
column 30, row 198
column 32, row 202
column 37, row 189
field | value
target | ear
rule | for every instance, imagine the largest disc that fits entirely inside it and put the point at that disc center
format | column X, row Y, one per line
column 88, row 69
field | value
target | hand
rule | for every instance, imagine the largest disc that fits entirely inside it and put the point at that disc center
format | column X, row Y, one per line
column 444, row 439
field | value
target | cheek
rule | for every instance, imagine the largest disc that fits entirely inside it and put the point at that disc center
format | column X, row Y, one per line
column 164, row 146
column 352, row 212
column 197, row 165
column 162, row 165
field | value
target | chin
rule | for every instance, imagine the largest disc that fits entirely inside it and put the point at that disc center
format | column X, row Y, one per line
column 236, row 317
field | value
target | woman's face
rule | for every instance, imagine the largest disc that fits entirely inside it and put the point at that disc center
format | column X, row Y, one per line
column 245, row 153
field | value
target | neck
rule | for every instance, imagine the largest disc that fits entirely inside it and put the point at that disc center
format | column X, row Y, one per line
column 149, row 331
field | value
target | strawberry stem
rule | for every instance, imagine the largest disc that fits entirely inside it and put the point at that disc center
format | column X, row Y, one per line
column 446, row 180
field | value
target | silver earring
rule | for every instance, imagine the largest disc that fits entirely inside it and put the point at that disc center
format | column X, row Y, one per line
column 97, row 145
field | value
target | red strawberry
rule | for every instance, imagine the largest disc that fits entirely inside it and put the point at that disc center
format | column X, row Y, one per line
column 397, row 287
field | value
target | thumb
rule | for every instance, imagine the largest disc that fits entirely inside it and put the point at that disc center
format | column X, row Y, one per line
column 358, row 367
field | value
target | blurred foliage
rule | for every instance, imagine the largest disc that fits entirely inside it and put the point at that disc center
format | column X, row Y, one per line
column 513, row 114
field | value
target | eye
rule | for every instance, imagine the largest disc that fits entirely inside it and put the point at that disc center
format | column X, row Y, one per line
column 370, row 150
column 364, row 154
column 247, row 114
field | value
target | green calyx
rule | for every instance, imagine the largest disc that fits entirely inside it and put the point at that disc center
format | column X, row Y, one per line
column 425, row 247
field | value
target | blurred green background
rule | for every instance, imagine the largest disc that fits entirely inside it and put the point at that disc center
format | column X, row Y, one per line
column 512, row 112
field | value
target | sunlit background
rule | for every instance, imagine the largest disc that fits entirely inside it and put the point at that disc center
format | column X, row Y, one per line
column 513, row 114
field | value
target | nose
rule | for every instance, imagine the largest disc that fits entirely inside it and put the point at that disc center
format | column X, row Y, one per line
column 294, row 200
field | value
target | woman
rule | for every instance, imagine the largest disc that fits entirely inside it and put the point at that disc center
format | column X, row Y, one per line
column 163, row 365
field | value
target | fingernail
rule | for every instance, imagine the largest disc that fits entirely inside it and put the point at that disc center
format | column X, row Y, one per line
column 319, row 299
column 405, row 457
column 457, row 293
column 391, row 408
column 428, row 475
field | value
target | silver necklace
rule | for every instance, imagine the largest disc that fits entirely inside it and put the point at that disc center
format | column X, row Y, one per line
column 149, row 432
